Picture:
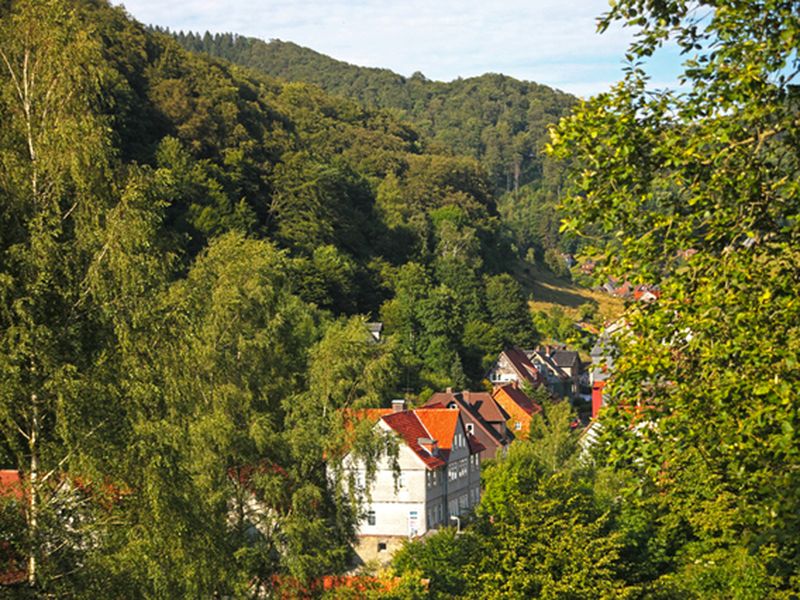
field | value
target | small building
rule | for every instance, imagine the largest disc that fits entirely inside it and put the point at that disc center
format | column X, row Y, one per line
column 557, row 380
column 437, row 477
column 514, row 364
column 375, row 330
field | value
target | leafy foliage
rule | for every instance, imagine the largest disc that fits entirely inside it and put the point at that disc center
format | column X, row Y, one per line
column 709, row 371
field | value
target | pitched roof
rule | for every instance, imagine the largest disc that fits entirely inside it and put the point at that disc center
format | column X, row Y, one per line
column 440, row 424
column 522, row 365
column 410, row 429
column 519, row 398
column 566, row 358
column 486, row 406
column 480, row 406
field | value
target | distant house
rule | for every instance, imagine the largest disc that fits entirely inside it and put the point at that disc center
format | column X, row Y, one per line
column 603, row 354
column 375, row 329
column 438, row 478
column 569, row 361
column 588, row 267
column 646, row 293
column 514, row 364
column 558, row 381
column 483, row 418
column 519, row 408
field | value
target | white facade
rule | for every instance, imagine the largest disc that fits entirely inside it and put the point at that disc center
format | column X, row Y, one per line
column 420, row 498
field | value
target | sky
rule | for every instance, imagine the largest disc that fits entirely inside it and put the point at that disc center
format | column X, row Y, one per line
column 553, row 42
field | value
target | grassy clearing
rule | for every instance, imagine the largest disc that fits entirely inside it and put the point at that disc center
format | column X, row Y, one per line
column 548, row 291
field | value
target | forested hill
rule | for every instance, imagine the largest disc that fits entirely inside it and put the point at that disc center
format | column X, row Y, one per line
column 188, row 253
column 498, row 119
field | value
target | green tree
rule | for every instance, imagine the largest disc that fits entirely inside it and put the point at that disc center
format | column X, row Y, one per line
column 54, row 193
column 710, row 368
column 508, row 310
column 443, row 558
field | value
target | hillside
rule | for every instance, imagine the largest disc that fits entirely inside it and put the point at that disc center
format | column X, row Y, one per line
column 189, row 251
column 495, row 118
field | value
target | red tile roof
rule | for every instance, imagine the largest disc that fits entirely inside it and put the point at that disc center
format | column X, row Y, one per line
column 440, row 424
column 410, row 428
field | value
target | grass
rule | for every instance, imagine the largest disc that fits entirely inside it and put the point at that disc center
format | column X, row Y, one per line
column 548, row 291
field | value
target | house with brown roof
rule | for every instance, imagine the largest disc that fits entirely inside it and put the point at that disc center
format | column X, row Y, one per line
column 514, row 364
column 519, row 408
column 437, row 477
column 483, row 418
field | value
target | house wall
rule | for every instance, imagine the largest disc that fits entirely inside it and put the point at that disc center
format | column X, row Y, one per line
column 458, row 487
column 394, row 500
column 503, row 372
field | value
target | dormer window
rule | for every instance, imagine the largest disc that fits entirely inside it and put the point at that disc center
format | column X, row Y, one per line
column 470, row 428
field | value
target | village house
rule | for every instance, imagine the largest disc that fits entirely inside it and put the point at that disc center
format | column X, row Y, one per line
column 483, row 418
column 436, row 482
column 375, row 330
column 553, row 376
column 519, row 408
column 514, row 364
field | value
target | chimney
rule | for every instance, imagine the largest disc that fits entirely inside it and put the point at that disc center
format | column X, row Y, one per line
column 398, row 405
column 515, row 384
column 449, row 390
column 597, row 397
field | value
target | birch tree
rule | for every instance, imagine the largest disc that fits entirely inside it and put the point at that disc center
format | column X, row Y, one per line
column 53, row 192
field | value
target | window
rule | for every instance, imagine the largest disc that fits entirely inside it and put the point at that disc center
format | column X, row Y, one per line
column 470, row 428
column 517, row 425
column 371, row 517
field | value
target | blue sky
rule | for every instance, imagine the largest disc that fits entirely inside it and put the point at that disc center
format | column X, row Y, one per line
column 553, row 42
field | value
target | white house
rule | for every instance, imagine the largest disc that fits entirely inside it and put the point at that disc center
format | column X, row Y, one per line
column 438, row 478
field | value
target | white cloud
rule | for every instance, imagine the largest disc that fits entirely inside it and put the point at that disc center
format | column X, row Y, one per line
column 553, row 42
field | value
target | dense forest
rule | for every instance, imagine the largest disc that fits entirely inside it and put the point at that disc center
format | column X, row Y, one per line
column 498, row 120
column 190, row 250
column 188, row 254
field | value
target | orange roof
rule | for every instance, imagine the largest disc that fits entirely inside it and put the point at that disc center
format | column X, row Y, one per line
column 518, row 397
column 356, row 415
column 441, row 424
column 10, row 483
